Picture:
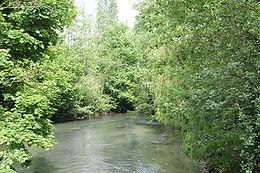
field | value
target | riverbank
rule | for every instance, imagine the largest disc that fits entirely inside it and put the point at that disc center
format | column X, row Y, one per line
column 63, row 119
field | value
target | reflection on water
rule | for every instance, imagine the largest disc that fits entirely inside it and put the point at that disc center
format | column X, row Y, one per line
column 111, row 144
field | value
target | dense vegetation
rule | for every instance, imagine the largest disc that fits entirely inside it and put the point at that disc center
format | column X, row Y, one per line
column 31, row 89
column 192, row 64
column 204, row 67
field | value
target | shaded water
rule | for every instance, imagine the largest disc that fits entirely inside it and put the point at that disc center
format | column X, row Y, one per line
column 111, row 144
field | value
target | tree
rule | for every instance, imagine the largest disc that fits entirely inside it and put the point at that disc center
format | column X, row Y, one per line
column 119, row 65
column 204, row 76
column 28, row 30
column 107, row 14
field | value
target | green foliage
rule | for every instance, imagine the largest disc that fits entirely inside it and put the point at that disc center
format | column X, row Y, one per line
column 107, row 14
column 204, row 75
column 89, row 84
column 29, row 84
column 91, row 99
column 111, row 70
column 120, row 65
column 7, row 171
column 47, row 88
column 22, row 29
column 191, row 63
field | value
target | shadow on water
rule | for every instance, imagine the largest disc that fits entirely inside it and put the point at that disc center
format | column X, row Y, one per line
column 42, row 162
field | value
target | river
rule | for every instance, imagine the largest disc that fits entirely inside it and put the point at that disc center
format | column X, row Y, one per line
column 112, row 144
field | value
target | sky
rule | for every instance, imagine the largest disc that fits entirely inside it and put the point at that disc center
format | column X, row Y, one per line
column 126, row 12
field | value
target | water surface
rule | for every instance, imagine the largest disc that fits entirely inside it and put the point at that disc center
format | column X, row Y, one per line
column 112, row 144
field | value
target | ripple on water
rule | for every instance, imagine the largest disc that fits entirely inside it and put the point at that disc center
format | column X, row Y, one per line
column 111, row 144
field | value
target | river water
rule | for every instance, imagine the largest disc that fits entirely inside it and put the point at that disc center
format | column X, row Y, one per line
column 112, row 144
